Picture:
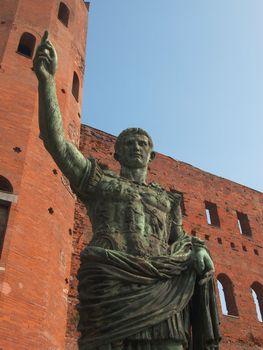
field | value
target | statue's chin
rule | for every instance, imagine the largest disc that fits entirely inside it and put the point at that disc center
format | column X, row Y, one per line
column 135, row 164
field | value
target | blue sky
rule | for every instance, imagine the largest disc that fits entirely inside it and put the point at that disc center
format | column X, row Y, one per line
column 189, row 72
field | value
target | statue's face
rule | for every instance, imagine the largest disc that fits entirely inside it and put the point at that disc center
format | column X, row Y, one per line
column 135, row 152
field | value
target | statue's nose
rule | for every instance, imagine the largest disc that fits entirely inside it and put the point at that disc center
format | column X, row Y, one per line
column 136, row 146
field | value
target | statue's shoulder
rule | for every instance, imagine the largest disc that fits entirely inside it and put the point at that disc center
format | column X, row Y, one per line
column 110, row 174
column 159, row 190
column 174, row 196
column 157, row 187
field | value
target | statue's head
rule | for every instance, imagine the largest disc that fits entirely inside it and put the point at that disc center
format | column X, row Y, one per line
column 134, row 148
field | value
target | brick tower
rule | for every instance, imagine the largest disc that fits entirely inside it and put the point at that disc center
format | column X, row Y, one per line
column 36, row 204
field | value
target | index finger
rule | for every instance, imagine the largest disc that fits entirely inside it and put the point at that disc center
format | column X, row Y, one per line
column 51, row 48
column 44, row 37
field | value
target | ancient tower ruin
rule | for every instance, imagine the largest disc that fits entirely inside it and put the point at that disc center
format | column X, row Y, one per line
column 36, row 203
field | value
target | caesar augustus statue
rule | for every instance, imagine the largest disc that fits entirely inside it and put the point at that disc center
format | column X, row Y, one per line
column 143, row 283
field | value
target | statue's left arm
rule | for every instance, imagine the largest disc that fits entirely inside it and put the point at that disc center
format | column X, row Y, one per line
column 202, row 260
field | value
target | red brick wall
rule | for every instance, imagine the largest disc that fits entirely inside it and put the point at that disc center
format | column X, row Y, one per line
column 243, row 268
column 35, row 264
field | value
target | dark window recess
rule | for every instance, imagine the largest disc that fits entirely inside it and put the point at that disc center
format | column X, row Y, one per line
column 182, row 205
column 257, row 294
column 75, row 86
column 207, row 237
column 26, row 45
column 4, row 212
column 211, row 214
column 63, row 14
column 243, row 224
column 227, row 297
column 5, row 186
column 244, row 248
column 256, row 252
column 232, row 245
column 219, row 240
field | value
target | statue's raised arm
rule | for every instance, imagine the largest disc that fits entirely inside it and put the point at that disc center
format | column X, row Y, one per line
column 68, row 158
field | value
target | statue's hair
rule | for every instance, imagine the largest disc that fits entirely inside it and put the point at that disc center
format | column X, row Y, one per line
column 128, row 132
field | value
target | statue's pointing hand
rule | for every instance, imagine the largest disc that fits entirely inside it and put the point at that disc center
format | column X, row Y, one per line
column 45, row 61
column 203, row 262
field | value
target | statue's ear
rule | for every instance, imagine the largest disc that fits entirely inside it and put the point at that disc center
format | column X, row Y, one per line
column 116, row 157
column 152, row 156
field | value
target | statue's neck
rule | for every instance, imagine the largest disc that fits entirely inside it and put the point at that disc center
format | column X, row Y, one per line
column 137, row 175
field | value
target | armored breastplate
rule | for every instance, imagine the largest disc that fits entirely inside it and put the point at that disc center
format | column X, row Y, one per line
column 130, row 217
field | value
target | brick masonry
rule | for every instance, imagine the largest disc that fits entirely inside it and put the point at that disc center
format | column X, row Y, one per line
column 242, row 267
column 35, row 264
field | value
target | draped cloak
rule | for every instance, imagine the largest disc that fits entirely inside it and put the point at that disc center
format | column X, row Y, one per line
column 121, row 295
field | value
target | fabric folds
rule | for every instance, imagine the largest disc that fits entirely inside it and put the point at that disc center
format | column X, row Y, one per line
column 121, row 295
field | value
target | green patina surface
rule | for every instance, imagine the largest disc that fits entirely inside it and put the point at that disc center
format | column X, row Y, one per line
column 143, row 282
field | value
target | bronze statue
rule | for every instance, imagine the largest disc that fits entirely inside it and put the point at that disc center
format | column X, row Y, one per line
column 143, row 283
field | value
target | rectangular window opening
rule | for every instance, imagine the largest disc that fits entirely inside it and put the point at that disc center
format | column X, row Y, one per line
column 232, row 245
column 212, row 214
column 256, row 252
column 243, row 224
column 219, row 240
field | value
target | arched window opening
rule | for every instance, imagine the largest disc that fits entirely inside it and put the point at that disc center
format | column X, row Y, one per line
column 63, row 14
column 75, row 86
column 257, row 294
column 226, row 294
column 5, row 185
column 26, row 45
column 5, row 189
column 222, row 298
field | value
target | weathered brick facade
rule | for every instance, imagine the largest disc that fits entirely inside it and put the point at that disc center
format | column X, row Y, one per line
column 35, row 262
column 43, row 239
column 235, row 255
